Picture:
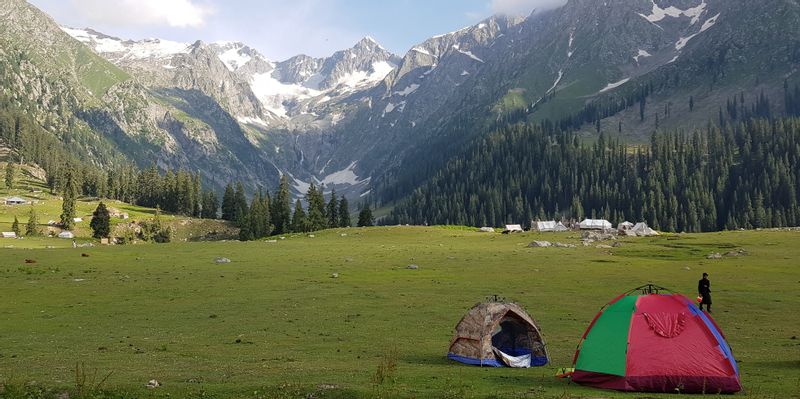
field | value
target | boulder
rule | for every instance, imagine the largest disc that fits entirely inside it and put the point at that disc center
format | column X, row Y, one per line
column 562, row 245
column 220, row 261
column 603, row 246
column 540, row 244
column 715, row 255
column 597, row 236
column 487, row 230
column 412, row 267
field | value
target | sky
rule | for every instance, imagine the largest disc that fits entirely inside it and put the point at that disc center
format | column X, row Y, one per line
column 280, row 29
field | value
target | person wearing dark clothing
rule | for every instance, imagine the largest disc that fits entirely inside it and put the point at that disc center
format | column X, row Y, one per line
column 704, row 289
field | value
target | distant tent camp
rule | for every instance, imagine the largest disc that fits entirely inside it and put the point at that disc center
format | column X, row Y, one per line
column 643, row 230
column 513, row 228
column 652, row 340
column 496, row 335
column 66, row 234
column 595, row 224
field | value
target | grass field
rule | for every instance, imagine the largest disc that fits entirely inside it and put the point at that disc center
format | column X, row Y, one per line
column 28, row 186
column 274, row 323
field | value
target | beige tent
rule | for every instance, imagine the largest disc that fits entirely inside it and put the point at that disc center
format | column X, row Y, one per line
column 513, row 228
column 544, row 226
column 496, row 335
column 643, row 230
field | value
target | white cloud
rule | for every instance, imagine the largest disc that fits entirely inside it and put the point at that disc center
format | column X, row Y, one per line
column 524, row 7
column 171, row 13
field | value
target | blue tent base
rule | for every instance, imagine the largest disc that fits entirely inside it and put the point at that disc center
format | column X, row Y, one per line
column 475, row 362
column 536, row 361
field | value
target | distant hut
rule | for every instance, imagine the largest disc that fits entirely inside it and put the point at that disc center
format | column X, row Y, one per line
column 16, row 201
column 595, row 224
column 547, row 226
column 513, row 228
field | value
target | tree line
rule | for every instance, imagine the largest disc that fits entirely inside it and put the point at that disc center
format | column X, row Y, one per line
column 741, row 175
column 267, row 215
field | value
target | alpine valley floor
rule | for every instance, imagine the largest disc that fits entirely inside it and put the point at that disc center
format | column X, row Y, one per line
column 275, row 323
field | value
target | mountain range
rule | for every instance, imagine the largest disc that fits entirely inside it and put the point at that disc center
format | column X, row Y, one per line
column 367, row 122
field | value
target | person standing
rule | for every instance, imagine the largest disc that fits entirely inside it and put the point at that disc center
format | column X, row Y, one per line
column 704, row 289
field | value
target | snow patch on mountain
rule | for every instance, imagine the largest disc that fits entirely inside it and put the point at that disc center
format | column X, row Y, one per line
column 558, row 80
column 345, row 176
column 408, row 90
column 658, row 13
column 681, row 43
column 360, row 78
column 614, row 85
column 421, row 51
column 122, row 50
column 273, row 93
column 571, row 39
column 252, row 121
column 234, row 58
column 467, row 53
column 642, row 54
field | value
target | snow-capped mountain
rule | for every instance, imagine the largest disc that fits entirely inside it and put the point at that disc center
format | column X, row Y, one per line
column 284, row 89
column 364, row 120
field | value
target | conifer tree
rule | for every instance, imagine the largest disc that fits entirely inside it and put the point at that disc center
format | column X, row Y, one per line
column 344, row 213
column 316, row 209
column 229, row 204
column 365, row 218
column 299, row 219
column 101, row 222
column 10, row 171
column 68, row 205
column 281, row 208
column 241, row 208
column 210, row 205
column 332, row 211
column 15, row 227
column 32, row 227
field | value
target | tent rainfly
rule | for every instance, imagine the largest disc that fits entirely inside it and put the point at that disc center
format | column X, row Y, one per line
column 66, row 234
column 496, row 335
column 652, row 340
column 513, row 228
column 595, row 224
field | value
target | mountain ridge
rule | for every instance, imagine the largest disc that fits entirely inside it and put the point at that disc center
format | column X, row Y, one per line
column 391, row 121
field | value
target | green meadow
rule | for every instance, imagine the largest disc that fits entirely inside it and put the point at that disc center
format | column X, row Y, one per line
column 103, row 321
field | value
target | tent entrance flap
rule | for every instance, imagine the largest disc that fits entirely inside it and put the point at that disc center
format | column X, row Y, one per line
column 511, row 341
column 523, row 361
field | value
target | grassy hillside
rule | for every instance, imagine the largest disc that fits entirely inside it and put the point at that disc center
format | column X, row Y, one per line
column 275, row 323
column 29, row 186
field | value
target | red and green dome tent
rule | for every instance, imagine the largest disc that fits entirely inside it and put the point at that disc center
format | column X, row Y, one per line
column 653, row 340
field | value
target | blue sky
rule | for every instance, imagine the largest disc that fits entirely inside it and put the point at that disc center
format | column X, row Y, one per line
column 282, row 28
